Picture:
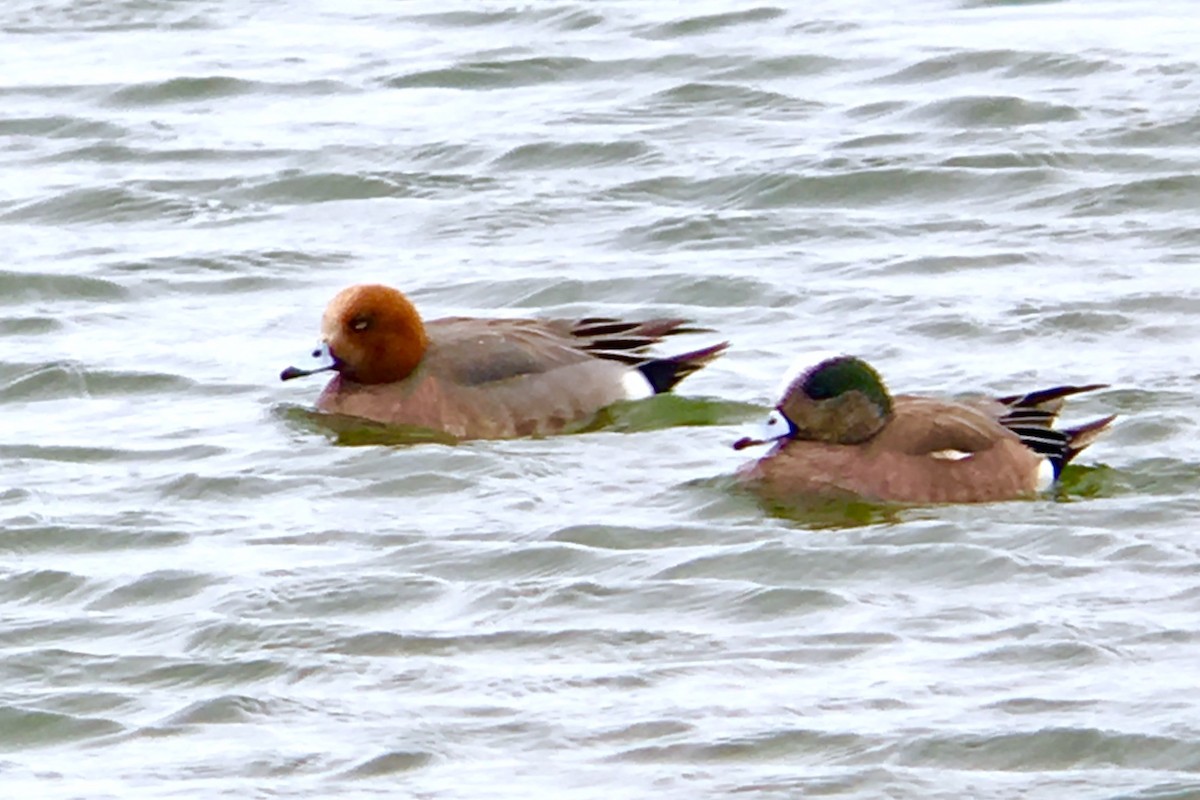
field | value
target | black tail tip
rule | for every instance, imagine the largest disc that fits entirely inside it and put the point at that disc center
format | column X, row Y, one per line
column 1081, row 436
column 664, row 373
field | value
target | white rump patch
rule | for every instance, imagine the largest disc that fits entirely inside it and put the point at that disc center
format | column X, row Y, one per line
column 804, row 363
column 636, row 385
column 1045, row 476
column 949, row 455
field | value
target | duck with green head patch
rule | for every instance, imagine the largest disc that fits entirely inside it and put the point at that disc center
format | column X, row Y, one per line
column 838, row 432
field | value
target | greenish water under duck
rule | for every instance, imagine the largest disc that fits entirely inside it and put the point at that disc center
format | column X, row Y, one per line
column 210, row 590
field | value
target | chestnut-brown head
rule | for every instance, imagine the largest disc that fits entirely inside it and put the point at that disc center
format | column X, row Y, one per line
column 370, row 334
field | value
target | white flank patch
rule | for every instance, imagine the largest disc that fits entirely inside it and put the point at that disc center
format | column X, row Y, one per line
column 949, row 455
column 1045, row 476
column 636, row 385
column 802, row 364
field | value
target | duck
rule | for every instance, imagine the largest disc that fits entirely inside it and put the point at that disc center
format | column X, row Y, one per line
column 837, row 432
column 485, row 378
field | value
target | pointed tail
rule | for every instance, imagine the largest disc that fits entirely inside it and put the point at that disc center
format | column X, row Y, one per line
column 1083, row 435
column 664, row 373
column 1060, row 446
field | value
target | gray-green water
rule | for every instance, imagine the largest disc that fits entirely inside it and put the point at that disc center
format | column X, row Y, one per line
column 206, row 594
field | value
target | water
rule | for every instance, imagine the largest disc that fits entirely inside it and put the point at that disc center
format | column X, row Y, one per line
column 208, row 592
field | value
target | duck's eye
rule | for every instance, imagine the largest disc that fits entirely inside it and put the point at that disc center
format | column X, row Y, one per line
column 360, row 323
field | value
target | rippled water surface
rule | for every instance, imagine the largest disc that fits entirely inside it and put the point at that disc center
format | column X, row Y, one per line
column 208, row 591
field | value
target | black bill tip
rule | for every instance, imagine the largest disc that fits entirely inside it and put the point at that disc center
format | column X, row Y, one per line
column 293, row 372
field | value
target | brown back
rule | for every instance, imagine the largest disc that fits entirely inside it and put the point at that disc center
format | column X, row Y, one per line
column 914, row 459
